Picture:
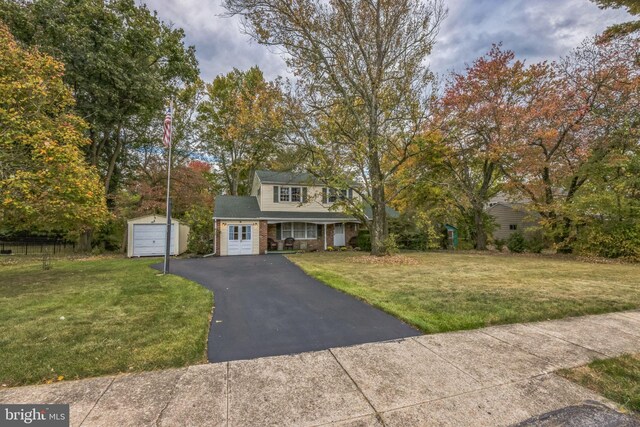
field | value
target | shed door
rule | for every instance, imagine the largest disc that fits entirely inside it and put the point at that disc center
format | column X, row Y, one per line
column 240, row 240
column 149, row 239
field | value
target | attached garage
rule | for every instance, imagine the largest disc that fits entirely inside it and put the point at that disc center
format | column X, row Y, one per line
column 147, row 236
column 239, row 237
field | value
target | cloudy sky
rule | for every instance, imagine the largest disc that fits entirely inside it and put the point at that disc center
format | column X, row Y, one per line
column 535, row 30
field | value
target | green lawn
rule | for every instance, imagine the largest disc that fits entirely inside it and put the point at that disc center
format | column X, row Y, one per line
column 93, row 317
column 617, row 379
column 454, row 291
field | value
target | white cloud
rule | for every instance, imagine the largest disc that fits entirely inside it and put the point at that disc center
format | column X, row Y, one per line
column 534, row 30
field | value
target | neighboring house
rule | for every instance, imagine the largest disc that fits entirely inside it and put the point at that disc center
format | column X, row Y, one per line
column 282, row 205
column 509, row 216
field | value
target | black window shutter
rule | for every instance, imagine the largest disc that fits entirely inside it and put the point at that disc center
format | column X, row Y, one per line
column 324, row 196
column 350, row 193
column 304, row 194
column 276, row 194
column 278, row 231
column 319, row 233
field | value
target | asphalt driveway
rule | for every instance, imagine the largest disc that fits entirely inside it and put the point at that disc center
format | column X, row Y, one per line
column 266, row 306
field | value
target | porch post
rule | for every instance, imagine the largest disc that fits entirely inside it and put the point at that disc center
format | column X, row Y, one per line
column 325, row 237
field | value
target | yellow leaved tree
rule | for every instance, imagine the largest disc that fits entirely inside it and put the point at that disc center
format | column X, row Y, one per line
column 45, row 184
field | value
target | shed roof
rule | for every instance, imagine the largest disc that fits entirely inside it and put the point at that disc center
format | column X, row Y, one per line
column 153, row 218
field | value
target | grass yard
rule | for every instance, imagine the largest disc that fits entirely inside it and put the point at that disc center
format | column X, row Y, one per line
column 439, row 292
column 93, row 317
column 617, row 379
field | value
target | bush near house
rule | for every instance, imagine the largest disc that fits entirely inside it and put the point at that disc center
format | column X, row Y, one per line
column 516, row 243
column 616, row 240
column 364, row 240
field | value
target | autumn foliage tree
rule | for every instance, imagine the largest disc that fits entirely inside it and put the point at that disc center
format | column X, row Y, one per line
column 45, row 184
column 570, row 130
column 241, row 125
column 479, row 116
column 121, row 62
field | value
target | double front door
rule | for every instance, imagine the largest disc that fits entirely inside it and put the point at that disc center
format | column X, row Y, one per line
column 240, row 242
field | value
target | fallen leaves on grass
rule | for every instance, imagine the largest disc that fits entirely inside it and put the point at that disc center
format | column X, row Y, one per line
column 385, row 260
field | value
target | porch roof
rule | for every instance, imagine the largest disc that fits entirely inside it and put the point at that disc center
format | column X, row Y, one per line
column 246, row 207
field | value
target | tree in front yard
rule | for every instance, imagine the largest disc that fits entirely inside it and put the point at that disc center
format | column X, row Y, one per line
column 45, row 184
column 361, row 85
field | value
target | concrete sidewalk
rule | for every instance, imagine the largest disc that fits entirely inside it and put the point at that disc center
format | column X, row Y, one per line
column 488, row 377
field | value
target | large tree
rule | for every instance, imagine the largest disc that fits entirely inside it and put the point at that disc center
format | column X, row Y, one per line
column 479, row 117
column 361, row 77
column 122, row 64
column 241, row 125
column 45, row 184
column 571, row 127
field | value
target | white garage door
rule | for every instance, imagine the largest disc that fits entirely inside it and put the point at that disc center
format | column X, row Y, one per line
column 240, row 240
column 149, row 239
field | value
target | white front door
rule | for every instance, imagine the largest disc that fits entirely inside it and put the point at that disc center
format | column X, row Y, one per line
column 240, row 240
column 338, row 235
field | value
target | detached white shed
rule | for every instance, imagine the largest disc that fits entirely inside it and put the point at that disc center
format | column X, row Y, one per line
column 146, row 236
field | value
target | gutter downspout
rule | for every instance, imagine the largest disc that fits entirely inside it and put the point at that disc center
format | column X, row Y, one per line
column 215, row 239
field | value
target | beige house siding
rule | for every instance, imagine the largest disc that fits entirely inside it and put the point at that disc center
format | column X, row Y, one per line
column 254, row 189
column 224, row 235
column 505, row 216
column 314, row 200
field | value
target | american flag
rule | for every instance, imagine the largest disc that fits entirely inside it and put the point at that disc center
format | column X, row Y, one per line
column 166, row 138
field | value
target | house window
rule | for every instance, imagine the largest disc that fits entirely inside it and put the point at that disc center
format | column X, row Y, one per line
column 334, row 195
column 291, row 194
column 299, row 230
column 296, row 194
column 285, row 194
column 287, row 230
column 312, row 231
column 513, row 226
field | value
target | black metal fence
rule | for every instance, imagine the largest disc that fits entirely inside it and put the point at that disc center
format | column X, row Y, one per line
column 36, row 246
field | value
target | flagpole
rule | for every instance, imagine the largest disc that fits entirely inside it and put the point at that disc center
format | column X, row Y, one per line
column 167, row 250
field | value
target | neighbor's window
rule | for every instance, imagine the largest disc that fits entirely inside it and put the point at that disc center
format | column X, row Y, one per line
column 513, row 226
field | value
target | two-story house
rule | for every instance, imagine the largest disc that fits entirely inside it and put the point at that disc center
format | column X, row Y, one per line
column 282, row 205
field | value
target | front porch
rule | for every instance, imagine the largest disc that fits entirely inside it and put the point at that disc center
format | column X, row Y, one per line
column 309, row 236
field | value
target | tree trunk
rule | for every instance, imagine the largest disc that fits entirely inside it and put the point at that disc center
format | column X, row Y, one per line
column 478, row 222
column 84, row 242
column 378, row 221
